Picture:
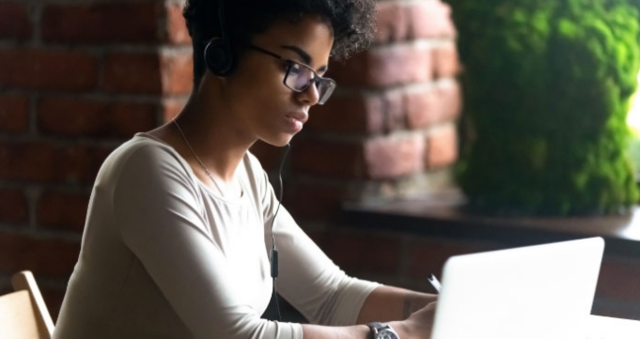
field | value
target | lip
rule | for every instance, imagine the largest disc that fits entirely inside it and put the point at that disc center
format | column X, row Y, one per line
column 300, row 116
column 295, row 121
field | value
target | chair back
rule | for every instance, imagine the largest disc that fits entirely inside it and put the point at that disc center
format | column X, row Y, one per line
column 23, row 313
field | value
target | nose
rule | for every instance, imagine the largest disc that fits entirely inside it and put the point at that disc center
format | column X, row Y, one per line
column 310, row 96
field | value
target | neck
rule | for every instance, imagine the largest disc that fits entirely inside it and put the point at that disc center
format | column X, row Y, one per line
column 216, row 138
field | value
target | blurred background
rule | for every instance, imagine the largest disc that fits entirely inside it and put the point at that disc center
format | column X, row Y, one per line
column 468, row 126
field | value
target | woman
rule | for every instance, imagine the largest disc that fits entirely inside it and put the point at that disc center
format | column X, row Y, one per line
column 180, row 229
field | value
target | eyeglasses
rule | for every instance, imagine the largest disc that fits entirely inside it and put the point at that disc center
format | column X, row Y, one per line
column 300, row 76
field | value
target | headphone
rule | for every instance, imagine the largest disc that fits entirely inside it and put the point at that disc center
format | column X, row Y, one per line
column 219, row 60
column 217, row 54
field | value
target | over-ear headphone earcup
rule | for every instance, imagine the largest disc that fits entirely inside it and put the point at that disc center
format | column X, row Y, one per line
column 218, row 57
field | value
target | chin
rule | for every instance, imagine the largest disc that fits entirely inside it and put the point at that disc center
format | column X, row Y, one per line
column 278, row 141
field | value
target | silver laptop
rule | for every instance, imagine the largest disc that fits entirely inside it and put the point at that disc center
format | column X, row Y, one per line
column 536, row 292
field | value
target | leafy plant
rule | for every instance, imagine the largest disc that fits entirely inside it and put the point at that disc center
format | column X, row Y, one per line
column 547, row 85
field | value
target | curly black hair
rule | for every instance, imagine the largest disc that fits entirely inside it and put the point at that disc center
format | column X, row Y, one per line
column 352, row 22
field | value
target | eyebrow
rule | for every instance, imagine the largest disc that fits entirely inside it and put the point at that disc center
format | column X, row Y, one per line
column 304, row 55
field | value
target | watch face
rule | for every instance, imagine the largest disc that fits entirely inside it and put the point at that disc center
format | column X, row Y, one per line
column 386, row 334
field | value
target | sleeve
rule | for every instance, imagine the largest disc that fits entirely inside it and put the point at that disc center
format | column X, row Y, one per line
column 307, row 278
column 157, row 208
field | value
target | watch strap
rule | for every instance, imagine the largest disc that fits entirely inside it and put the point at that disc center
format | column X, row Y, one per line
column 376, row 327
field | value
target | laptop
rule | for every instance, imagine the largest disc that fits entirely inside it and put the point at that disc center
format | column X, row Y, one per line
column 535, row 292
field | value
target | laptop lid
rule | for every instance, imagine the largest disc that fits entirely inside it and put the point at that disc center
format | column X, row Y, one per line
column 535, row 292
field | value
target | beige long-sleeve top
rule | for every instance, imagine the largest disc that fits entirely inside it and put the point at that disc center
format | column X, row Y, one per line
column 165, row 257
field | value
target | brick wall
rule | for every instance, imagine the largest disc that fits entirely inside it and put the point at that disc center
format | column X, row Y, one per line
column 389, row 130
column 75, row 82
column 79, row 78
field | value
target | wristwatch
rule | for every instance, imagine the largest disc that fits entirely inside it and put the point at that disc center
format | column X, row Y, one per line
column 382, row 331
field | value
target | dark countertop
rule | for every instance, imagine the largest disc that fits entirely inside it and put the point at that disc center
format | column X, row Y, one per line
column 445, row 215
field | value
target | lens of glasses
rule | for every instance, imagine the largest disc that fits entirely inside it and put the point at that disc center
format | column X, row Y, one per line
column 325, row 89
column 300, row 77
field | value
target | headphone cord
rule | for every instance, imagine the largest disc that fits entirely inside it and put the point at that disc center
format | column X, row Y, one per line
column 274, row 248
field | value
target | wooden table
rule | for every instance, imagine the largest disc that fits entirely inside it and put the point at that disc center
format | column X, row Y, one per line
column 612, row 328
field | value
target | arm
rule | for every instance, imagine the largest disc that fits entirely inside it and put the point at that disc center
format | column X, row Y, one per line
column 326, row 295
column 387, row 303
column 160, row 220
column 326, row 332
column 307, row 279
column 161, row 224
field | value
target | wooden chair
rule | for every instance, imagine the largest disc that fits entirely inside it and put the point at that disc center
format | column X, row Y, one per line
column 23, row 314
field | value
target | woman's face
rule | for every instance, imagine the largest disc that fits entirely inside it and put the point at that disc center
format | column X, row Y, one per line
column 264, row 107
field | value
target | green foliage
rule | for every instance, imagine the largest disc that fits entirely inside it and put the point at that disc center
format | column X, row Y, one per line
column 547, row 86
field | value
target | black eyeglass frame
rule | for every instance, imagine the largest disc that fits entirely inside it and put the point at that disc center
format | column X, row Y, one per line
column 330, row 83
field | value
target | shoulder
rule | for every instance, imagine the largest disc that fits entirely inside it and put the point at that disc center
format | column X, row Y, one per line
column 146, row 151
column 142, row 158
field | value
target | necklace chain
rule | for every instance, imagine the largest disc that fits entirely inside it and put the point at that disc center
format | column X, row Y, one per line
column 196, row 156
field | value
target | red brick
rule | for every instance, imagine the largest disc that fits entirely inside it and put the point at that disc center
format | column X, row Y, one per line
column 101, row 22
column 397, row 21
column 177, row 32
column 171, row 108
column 27, row 161
column 80, row 164
column 428, row 106
column 132, row 73
column 427, row 256
column 171, row 73
column 14, row 21
column 619, row 279
column 442, row 147
column 429, row 19
column 379, row 158
column 391, row 157
column 44, row 257
column 363, row 114
column 14, row 113
column 353, row 114
column 394, row 110
column 269, row 156
column 314, row 200
column 391, row 22
column 364, row 253
column 424, row 107
column 77, row 117
column 385, row 66
column 450, row 95
column 401, row 64
column 177, row 73
column 13, row 206
column 445, row 61
column 62, row 210
column 329, row 158
column 350, row 72
column 47, row 69
column 40, row 161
